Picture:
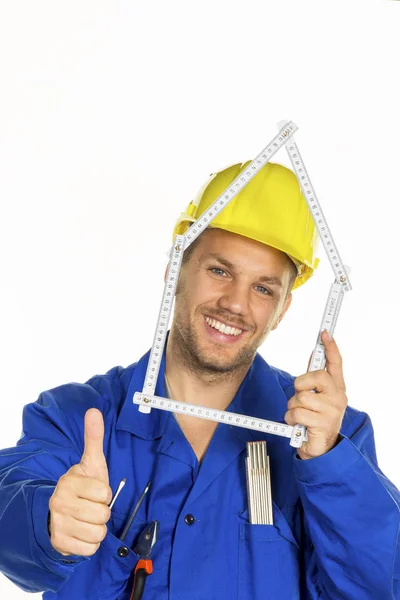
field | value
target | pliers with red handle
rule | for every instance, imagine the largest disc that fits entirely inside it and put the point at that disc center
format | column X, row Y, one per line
column 144, row 567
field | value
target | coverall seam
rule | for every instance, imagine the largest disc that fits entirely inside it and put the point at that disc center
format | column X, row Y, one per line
column 73, row 444
column 42, row 557
column 396, row 546
column 385, row 490
column 395, row 575
column 330, row 480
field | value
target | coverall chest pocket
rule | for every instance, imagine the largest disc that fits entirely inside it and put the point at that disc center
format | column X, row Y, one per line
column 115, row 561
column 268, row 560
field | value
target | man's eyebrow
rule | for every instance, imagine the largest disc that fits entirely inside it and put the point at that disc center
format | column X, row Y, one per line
column 271, row 280
column 220, row 259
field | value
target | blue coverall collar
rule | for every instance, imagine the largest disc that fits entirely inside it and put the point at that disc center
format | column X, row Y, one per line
column 146, row 426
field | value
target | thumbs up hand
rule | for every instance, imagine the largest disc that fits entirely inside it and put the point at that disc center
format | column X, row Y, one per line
column 79, row 507
column 93, row 462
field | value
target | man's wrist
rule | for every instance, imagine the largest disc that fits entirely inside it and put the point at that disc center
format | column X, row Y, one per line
column 338, row 440
column 329, row 466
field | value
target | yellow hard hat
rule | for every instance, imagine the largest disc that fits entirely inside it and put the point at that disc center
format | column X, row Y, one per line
column 270, row 209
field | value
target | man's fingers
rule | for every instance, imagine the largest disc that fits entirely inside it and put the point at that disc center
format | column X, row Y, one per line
column 85, row 532
column 75, row 486
column 74, row 537
column 313, row 380
column 307, row 400
column 88, row 511
column 93, row 461
column 75, row 547
column 302, row 416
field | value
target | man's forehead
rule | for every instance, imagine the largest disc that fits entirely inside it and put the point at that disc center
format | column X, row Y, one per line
column 231, row 246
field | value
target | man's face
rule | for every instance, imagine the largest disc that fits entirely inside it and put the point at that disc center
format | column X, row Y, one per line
column 232, row 292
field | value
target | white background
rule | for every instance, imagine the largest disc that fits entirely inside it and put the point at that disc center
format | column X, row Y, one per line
column 111, row 116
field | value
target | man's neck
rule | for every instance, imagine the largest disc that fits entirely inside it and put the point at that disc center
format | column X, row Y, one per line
column 215, row 390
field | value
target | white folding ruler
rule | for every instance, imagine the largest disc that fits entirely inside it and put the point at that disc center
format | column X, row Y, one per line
column 146, row 399
column 342, row 283
column 181, row 242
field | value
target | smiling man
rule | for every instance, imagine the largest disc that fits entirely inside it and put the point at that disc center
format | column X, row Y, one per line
column 335, row 531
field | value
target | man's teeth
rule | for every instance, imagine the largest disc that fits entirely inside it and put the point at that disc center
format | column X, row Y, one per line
column 223, row 328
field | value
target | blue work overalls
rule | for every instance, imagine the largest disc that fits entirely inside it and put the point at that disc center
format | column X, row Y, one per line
column 336, row 517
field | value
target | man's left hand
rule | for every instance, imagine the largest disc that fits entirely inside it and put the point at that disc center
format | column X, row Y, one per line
column 322, row 412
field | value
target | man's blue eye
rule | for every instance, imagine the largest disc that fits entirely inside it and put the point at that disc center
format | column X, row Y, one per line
column 218, row 271
column 262, row 289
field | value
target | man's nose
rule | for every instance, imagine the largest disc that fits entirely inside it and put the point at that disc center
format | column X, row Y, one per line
column 235, row 298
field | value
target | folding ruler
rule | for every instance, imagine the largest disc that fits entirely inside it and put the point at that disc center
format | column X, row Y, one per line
column 146, row 399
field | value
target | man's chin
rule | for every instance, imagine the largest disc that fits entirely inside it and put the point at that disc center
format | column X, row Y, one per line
column 201, row 355
column 216, row 366
column 214, row 363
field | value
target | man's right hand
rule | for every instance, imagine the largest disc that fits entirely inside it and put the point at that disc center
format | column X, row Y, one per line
column 79, row 507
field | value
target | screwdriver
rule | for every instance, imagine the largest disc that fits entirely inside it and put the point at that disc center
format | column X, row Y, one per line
column 121, row 485
column 135, row 510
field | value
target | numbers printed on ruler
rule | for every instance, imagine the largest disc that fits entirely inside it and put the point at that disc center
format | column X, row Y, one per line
column 160, row 335
column 316, row 211
column 210, row 414
column 329, row 319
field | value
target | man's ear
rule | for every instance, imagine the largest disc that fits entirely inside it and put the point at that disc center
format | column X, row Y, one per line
column 286, row 305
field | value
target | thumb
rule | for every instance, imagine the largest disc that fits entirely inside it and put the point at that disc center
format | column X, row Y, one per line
column 93, row 461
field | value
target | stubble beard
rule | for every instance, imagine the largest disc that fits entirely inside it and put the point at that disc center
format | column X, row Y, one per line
column 188, row 353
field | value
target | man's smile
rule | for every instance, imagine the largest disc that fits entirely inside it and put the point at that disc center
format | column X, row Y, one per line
column 223, row 327
column 221, row 331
